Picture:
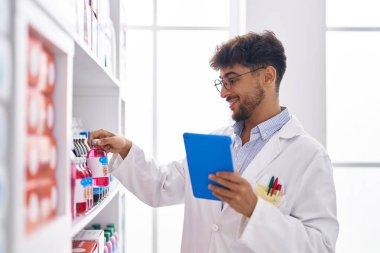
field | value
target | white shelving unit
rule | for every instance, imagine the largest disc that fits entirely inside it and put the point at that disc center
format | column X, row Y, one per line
column 84, row 89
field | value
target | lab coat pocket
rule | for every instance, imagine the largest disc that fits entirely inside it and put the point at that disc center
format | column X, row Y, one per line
column 273, row 198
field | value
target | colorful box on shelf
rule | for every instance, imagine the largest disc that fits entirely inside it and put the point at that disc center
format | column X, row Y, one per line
column 84, row 247
column 5, row 69
column 41, row 67
column 40, row 113
column 41, row 156
column 92, row 235
column 41, row 200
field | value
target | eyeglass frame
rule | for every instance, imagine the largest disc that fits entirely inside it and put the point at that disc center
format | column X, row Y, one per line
column 221, row 83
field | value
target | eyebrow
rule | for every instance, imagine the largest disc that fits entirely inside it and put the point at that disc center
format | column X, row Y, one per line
column 228, row 74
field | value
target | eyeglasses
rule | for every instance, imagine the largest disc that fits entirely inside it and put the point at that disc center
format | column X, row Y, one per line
column 219, row 83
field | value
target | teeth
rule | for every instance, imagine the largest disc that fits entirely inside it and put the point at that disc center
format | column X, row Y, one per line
column 232, row 100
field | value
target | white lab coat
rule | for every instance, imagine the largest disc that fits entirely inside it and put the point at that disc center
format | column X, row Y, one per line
column 305, row 220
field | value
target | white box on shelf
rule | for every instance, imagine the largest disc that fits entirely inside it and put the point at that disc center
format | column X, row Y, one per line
column 87, row 24
column 4, row 16
column 92, row 235
column 94, row 34
column 80, row 15
column 95, row 7
column 5, row 69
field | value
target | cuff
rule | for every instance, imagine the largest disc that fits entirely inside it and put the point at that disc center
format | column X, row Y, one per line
column 117, row 160
column 246, row 224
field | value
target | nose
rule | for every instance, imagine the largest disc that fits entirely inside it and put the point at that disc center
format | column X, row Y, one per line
column 224, row 92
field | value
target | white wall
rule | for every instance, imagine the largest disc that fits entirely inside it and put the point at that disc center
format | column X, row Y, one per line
column 300, row 25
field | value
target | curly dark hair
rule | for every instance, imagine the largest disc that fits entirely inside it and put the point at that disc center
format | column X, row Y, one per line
column 252, row 50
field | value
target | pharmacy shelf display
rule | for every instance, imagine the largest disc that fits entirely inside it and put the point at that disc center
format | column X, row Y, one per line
column 54, row 67
column 5, row 88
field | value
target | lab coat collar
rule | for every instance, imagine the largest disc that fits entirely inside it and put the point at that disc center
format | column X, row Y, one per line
column 269, row 152
column 272, row 149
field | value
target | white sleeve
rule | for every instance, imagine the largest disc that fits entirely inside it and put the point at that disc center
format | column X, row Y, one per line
column 312, row 225
column 154, row 185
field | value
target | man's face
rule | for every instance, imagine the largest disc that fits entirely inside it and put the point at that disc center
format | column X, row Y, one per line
column 246, row 93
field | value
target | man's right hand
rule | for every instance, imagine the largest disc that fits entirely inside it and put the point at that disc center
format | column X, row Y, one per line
column 110, row 142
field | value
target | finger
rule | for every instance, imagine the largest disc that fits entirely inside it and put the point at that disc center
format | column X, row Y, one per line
column 105, row 141
column 95, row 135
column 231, row 176
column 226, row 183
column 221, row 191
column 222, row 198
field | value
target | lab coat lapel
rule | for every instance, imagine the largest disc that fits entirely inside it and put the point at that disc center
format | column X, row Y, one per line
column 272, row 149
column 266, row 155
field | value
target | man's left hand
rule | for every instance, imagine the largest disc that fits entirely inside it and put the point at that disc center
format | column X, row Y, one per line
column 237, row 193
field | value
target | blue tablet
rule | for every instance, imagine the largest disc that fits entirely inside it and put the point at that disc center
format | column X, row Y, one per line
column 207, row 154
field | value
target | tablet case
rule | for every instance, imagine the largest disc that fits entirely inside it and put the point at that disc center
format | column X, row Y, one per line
column 206, row 154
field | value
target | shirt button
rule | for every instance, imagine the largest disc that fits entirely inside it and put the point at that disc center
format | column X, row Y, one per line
column 215, row 227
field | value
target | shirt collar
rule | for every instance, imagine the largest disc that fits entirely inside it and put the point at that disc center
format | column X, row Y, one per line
column 267, row 128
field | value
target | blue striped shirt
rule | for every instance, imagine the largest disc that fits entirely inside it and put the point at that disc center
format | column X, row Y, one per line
column 260, row 135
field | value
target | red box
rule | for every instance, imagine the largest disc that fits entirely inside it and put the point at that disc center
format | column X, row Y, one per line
column 34, row 55
column 40, row 114
column 41, row 202
column 51, row 73
column 41, row 156
column 84, row 247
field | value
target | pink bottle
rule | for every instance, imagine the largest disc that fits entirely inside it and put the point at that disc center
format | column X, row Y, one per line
column 108, row 244
column 79, row 192
column 73, row 175
column 88, row 186
column 97, row 162
column 90, row 191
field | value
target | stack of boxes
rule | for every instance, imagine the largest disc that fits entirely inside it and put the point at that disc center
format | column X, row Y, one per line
column 95, row 27
column 5, row 87
column 41, row 191
column 96, row 239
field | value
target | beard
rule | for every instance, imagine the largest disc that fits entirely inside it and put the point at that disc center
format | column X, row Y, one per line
column 248, row 106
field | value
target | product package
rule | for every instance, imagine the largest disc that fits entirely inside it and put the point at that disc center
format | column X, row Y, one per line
column 84, row 247
column 92, row 235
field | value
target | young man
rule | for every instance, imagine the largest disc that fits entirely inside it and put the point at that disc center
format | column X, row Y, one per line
column 281, row 199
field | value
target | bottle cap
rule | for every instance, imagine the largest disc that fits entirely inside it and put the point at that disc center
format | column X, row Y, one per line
column 96, row 226
column 110, row 230
column 94, row 142
column 107, row 236
column 112, row 225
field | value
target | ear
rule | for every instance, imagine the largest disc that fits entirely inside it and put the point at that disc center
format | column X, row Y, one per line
column 270, row 75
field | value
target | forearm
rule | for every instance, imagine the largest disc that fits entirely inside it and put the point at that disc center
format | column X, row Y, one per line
column 154, row 185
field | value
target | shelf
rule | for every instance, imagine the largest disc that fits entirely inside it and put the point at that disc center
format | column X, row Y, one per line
column 82, row 221
column 88, row 72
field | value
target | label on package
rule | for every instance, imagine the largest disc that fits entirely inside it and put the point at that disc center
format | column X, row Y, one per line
column 98, row 166
column 80, row 190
